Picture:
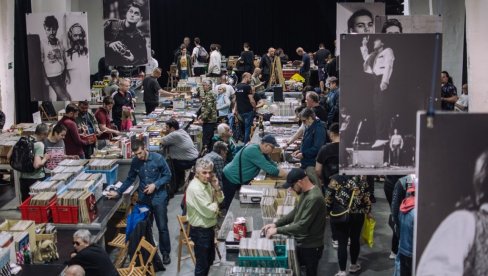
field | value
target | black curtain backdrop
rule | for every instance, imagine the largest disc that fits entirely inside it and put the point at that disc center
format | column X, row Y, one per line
column 263, row 24
column 23, row 105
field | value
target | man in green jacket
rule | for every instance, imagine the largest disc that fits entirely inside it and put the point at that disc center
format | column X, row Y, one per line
column 306, row 222
column 246, row 165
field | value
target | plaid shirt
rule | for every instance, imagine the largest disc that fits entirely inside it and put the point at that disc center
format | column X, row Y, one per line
column 218, row 162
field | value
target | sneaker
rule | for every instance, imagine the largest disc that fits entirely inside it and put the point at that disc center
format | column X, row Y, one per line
column 392, row 256
column 166, row 259
column 341, row 273
column 335, row 243
column 354, row 268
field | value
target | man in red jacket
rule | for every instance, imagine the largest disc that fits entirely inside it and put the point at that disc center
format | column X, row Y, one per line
column 72, row 141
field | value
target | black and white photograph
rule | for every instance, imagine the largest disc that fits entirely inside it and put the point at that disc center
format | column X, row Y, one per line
column 452, row 195
column 356, row 18
column 411, row 24
column 126, row 32
column 381, row 91
column 58, row 54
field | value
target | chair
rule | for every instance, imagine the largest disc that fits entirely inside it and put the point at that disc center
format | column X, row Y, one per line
column 172, row 79
column 48, row 113
column 184, row 239
column 137, row 266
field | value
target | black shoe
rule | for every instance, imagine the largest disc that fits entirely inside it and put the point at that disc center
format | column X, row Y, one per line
column 166, row 259
column 372, row 199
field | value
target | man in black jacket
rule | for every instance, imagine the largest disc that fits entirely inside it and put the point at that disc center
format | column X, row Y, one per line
column 94, row 260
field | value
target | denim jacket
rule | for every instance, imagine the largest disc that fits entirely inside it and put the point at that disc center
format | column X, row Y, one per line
column 313, row 140
column 153, row 170
column 406, row 232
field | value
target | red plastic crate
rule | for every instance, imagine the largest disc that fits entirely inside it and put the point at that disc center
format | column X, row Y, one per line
column 39, row 214
column 65, row 214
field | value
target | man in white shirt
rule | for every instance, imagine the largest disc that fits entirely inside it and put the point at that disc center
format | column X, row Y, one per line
column 215, row 61
column 152, row 64
column 199, row 65
column 463, row 101
column 379, row 64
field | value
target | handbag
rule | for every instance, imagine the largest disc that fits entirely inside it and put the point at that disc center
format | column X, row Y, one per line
column 339, row 213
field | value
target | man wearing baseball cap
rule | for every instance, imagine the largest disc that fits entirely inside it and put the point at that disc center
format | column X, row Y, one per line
column 246, row 165
column 306, row 222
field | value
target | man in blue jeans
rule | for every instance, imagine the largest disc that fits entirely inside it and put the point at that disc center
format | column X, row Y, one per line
column 245, row 105
column 154, row 176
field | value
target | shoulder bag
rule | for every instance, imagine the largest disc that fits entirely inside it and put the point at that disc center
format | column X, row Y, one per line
column 339, row 213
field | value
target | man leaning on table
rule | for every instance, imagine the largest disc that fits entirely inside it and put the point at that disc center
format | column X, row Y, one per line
column 154, row 176
column 306, row 222
column 203, row 197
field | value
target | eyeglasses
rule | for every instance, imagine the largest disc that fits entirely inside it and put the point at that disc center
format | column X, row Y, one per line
column 76, row 243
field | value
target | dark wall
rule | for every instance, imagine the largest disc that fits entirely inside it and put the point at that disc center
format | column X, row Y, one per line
column 267, row 23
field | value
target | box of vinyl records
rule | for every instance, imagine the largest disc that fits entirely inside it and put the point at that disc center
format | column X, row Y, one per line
column 29, row 226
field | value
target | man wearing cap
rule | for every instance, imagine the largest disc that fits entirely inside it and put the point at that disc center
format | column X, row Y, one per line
column 306, row 222
column 246, row 165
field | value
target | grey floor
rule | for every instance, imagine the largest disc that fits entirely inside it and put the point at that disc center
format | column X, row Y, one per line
column 374, row 261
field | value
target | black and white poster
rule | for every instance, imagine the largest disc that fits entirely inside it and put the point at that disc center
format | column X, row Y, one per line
column 58, row 55
column 383, row 85
column 452, row 195
column 126, row 32
column 397, row 24
column 356, row 18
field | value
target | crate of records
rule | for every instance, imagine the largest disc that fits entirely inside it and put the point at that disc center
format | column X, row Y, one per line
column 38, row 207
column 107, row 167
column 75, row 206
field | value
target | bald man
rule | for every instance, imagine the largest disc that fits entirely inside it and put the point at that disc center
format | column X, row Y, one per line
column 304, row 65
column 266, row 64
column 152, row 90
column 74, row 270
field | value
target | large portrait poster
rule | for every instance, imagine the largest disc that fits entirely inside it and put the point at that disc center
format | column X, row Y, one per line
column 59, row 68
column 420, row 24
column 382, row 87
column 126, row 32
column 452, row 195
column 356, row 18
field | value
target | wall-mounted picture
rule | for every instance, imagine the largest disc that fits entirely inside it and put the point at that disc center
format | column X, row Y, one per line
column 59, row 68
column 382, row 88
column 452, row 195
column 126, row 32
column 398, row 24
column 356, row 18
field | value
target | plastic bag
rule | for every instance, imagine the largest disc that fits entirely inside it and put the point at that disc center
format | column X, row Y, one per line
column 297, row 77
column 367, row 234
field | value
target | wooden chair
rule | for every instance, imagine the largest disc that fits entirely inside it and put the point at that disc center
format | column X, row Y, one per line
column 137, row 266
column 184, row 239
column 46, row 111
column 172, row 79
column 119, row 242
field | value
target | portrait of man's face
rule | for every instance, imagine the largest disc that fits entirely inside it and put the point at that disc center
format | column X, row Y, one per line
column 393, row 30
column 362, row 24
column 51, row 32
column 133, row 15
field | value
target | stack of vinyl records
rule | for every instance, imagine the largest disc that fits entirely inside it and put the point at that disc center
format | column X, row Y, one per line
column 89, row 176
column 82, row 185
column 283, row 210
column 63, row 177
column 251, row 271
column 256, row 247
column 46, row 186
column 292, row 256
column 102, row 164
column 268, row 209
column 42, row 199
column 85, row 201
column 73, row 162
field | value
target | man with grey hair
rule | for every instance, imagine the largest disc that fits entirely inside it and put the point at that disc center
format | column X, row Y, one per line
column 91, row 257
column 312, row 101
column 74, row 270
column 304, row 65
column 224, row 134
column 40, row 159
column 218, row 156
column 203, row 197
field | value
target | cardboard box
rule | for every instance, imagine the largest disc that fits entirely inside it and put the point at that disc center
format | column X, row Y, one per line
column 29, row 226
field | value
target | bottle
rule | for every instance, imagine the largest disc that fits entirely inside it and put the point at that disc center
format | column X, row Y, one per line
column 261, row 127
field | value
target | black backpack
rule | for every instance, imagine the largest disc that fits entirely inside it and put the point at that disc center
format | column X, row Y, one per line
column 202, row 55
column 22, row 158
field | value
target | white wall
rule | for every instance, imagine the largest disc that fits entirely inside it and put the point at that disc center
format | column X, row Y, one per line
column 477, row 43
column 7, row 56
column 94, row 9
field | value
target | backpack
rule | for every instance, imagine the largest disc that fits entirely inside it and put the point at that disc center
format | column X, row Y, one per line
column 22, row 158
column 202, row 55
